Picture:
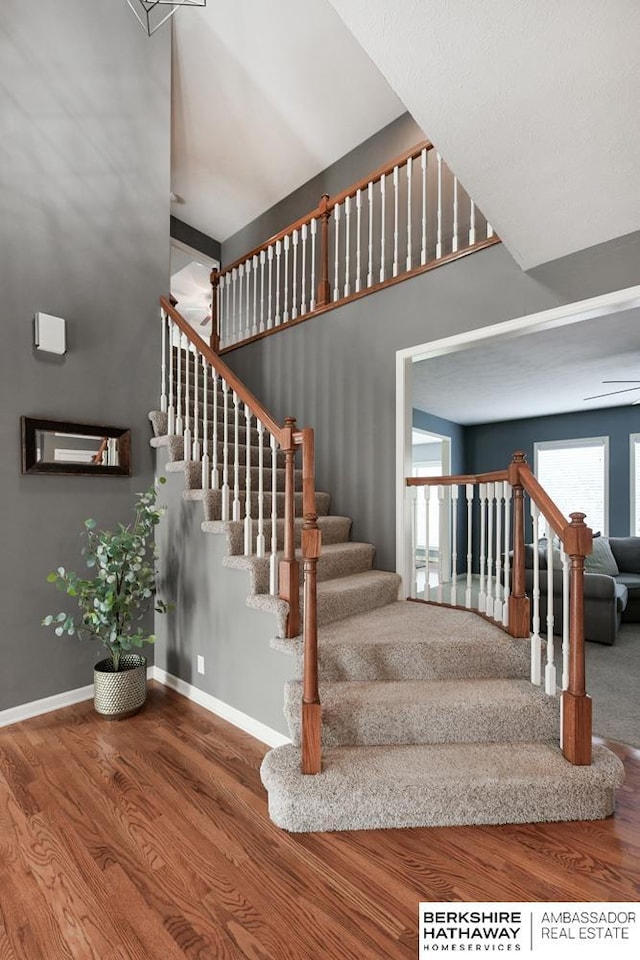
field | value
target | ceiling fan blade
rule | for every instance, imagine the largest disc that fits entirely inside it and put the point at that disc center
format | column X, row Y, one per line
column 597, row 396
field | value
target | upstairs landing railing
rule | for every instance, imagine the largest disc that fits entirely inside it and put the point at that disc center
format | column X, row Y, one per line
column 210, row 408
column 480, row 565
column 403, row 219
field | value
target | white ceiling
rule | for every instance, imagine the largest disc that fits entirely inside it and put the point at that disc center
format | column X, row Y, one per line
column 265, row 97
column 545, row 373
column 534, row 105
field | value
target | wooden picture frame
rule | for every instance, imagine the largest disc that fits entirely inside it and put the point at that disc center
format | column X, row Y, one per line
column 74, row 449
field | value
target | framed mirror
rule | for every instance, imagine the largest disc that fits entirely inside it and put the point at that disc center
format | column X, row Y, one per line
column 55, row 446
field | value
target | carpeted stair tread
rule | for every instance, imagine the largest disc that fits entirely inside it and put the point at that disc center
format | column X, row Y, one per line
column 192, row 470
column 364, row 788
column 428, row 711
column 346, row 596
column 416, row 641
column 334, row 529
column 337, row 560
column 175, row 448
column 212, row 504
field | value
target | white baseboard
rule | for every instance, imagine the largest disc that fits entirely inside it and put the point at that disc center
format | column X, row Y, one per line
column 239, row 719
column 35, row 708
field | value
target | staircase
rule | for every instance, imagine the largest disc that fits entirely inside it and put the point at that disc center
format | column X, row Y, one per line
column 428, row 715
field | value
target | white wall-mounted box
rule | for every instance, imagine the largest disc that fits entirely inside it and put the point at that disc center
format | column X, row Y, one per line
column 50, row 334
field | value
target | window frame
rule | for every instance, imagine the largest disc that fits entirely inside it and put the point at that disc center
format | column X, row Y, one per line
column 634, row 443
column 575, row 442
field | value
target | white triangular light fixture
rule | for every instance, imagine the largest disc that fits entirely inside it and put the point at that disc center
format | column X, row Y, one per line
column 153, row 13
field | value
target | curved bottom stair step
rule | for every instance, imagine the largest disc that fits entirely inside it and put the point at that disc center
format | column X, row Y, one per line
column 435, row 785
column 428, row 711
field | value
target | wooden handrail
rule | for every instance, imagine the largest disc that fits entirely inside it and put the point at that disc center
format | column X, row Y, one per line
column 227, row 373
column 382, row 171
column 542, row 500
column 495, row 476
column 331, row 202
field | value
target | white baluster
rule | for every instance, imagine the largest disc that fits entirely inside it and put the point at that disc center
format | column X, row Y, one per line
column 497, row 600
column 240, row 314
column 224, row 510
column 395, row 221
column 254, row 328
column 260, row 542
column 312, row 289
column 246, row 331
column 236, row 456
column 171, row 411
column 219, row 302
column 347, row 242
column 439, row 212
column 472, row 222
column 187, row 401
column 278, row 265
column 294, row 292
column 443, row 534
column 454, row 239
column 426, row 493
column 566, row 565
column 454, row 544
column 491, row 493
column 336, row 251
column 536, row 641
column 383, row 206
column 229, row 314
column 206, row 463
column 215, row 476
column 370, row 260
column 270, row 293
column 482, row 596
column 409, row 181
column 273, row 558
column 196, row 449
column 235, row 326
column 179, row 417
column 423, row 247
column 303, row 272
column 247, row 490
column 163, row 362
column 550, row 669
column 506, row 591
column 285, row 312
column 263, row 257
column 358, row 237
column 469, row 496
column 413, row 508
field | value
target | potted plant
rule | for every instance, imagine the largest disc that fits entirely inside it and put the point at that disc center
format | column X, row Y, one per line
column 113, row 603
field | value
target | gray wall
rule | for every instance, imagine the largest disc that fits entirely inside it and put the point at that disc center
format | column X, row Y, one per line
column 490, row 446
column 84, row 234
column 195, row 238
column 336, row 372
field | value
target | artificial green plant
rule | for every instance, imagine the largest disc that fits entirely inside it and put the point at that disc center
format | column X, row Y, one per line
column 114, row 602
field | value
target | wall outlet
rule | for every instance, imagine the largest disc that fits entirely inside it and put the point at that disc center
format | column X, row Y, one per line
column 200, row 664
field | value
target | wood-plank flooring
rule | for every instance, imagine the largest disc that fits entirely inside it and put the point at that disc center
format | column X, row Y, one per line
column 149, row 839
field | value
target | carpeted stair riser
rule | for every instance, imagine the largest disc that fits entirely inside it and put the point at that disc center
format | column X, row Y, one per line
column 436, row 785
column 337, row 560
column 391, row 643
column 428, row 711
column 212, row 503
column 333, row 529
column 159, row 423
column 193, row 477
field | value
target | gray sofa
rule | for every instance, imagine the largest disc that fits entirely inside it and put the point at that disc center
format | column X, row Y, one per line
column 611, row 586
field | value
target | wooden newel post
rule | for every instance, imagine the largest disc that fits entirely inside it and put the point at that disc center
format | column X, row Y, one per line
column 311, row 760
column 289, row 568
column 215, row 320
column 519, row 603
column 576, row 704
column 324, row 287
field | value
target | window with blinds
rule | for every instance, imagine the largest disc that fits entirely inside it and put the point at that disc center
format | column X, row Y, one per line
column 634, row 439
column 575, row 474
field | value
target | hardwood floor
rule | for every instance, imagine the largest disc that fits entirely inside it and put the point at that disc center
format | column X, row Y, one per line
column 149, row 839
